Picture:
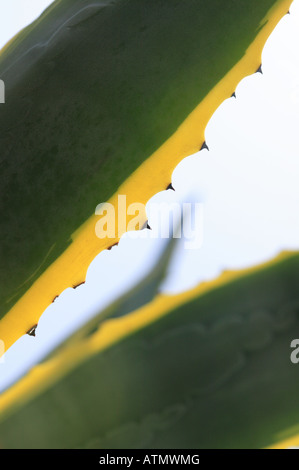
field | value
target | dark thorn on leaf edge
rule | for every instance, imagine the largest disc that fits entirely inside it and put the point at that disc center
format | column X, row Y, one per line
column 259, row 70
column 115, row 244
column 204, row 146
column 31, row 331
column 77, row 285
column 145, row 225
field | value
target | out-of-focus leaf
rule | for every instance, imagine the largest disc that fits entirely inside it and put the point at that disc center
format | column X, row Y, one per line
column 213, row 370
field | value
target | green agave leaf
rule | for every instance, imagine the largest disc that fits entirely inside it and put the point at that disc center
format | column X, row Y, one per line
column 213, row 372
column 93, row 91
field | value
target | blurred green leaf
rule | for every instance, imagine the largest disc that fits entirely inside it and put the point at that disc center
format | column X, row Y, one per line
column 215, row 372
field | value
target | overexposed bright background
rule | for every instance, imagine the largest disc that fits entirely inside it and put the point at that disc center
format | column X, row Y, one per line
column 248, row 183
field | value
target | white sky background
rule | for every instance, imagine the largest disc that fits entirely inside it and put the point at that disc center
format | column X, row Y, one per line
column 248, row 183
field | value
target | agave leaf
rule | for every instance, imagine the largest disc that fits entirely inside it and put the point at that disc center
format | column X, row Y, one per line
column 105, row 98
column 212, row 370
